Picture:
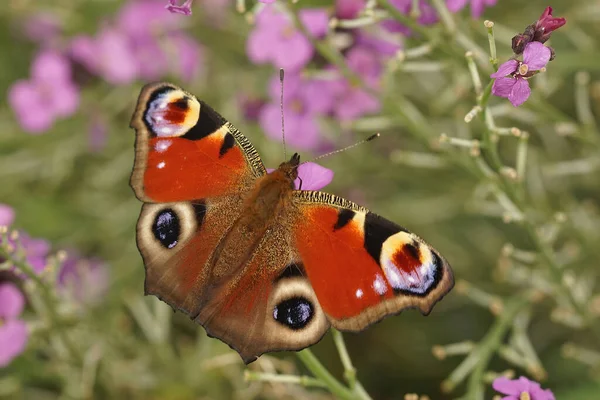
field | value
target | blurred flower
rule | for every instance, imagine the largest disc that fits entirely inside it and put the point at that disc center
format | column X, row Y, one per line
column 275, row 39
column 427, row 15
column 352, row 102
column 477, row 6
column 7, row 215
column 36, row 251
column 43, row 28
column 97, row 133
column 267, row 1
column 48, row 95
column 251, row 106
column 305, row 100
column 312, row 175
column 522, row 388
column 108, row 55
column 185, row 8
column 539, row 31
column 144, row 42
column 13, row 331
column 83, row 280
column 348, row 9
column 511, row 76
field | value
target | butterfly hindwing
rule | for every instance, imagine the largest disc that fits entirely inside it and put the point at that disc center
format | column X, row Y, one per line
column 363, row 267
column 187, row 151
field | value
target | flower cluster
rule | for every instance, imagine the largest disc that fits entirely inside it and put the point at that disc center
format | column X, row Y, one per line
column 512, row 76
column 139, row 43
column 79, row 279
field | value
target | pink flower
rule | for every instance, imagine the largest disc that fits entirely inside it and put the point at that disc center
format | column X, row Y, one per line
column 304, row 101
column 84, row 280
column 144, row 42
column 108, row 55
column 427, row 15
column 48, row 95
column 312, row 175
column 275, row 39
column 13, row 331
column 516, row 389
column 348, row 9
column 185, row 8
column 477, row 6
column 7, row 215
column 511, row 77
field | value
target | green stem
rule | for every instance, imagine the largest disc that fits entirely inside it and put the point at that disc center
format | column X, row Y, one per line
column 48, row 298
column 486, row 348
column 320, row 372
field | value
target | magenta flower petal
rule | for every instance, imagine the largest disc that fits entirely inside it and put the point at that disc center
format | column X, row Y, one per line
column 348, row 9
column 33, row 115
column 49, row 66
column 536, row 56
column 502, row 87
column 12, row 301
column 7, row 215
column 304, row 132
column 456, row 5
column 506, row 386
column 184, row 9
column 293, row 53
column 315, row 20
column 66, row 99
column 13, row 338
column 520, row 92
column 506, row 68
column 270, row 120
column 314, row 176
column 190, row 56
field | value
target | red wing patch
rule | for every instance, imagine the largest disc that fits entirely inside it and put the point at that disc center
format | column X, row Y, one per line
column 363, row 267
column 187, row 151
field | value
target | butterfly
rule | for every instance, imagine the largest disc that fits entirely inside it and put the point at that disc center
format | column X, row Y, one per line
column 262, row 266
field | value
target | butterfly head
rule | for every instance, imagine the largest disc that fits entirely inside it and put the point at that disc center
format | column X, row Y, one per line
column 290, row 168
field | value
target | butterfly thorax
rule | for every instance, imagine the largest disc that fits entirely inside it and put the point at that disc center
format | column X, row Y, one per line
column 262, row 208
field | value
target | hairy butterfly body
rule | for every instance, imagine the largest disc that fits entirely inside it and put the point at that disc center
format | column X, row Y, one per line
column 258, row 264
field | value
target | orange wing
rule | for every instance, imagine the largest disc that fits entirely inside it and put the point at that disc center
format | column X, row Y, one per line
column 185, row 150
column 363, row 267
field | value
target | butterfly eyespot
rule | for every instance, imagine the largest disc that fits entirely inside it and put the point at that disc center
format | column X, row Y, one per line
column 295, row 313
column 408, row 265
column 171, row 113
column 166, row 228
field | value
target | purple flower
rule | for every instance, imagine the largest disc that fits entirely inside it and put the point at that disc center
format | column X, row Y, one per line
column 511, row 77
column 185, row 8
column 348, row 9
column 477, row 6
column 7, row 215
column 36, row 251
column 304, row 101
column 313, row 176
column 108, row 55
column 427, row 15
column 13, row 331
column 275, row 39
column 84, row 280
column 145, row 42
column 518, row 388
column 43, row 28
column 48, row 95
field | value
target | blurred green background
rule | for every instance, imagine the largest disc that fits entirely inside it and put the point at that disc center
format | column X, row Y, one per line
column 78, row 197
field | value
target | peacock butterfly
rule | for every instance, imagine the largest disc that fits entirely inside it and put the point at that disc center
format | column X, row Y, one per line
column 260, row 265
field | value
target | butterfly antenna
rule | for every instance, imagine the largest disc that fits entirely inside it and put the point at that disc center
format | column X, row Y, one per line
column 375, row 136
column 281, row 76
